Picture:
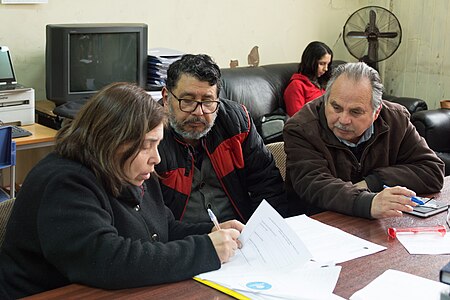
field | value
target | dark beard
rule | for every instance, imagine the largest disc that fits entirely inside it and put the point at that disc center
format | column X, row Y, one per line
column 190, row 135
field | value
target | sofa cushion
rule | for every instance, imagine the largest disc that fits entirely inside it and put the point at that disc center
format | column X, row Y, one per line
column 434, row 126
column 412, row 104
column 260, row 89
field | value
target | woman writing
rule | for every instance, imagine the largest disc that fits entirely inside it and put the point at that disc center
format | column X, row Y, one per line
column 84, row 214
column 311, row 79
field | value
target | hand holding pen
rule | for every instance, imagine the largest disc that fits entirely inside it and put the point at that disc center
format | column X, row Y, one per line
column 224, row 237
column 392, row 202
column 414, row 199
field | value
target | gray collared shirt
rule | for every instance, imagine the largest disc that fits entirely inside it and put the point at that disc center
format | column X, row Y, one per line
column 365, row 137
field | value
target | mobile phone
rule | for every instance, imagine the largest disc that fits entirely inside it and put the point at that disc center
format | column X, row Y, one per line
column 430, row 208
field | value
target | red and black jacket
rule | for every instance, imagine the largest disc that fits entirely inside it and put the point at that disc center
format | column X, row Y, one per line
column 244, row 166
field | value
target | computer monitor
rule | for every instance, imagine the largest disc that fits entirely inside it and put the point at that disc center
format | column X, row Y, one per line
column 6, row 68
column 83, row 58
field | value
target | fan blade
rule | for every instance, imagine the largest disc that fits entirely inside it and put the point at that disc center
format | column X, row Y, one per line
column 389, row 35
column 357, row 34
column 372, row 21
column 373, row 33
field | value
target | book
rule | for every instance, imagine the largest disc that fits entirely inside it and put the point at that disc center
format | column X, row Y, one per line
column 444, row 274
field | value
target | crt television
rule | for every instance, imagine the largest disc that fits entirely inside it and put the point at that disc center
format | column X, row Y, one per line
column 80, row 59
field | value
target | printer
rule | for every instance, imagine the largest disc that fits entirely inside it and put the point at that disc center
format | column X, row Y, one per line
column 16, row 100
column 17, row 106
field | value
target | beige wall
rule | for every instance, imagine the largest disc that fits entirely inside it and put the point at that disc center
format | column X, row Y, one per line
column 421, row 66
column 228, row 29
column 225, row 29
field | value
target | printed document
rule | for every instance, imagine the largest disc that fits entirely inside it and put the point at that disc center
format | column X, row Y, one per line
column 274, row 262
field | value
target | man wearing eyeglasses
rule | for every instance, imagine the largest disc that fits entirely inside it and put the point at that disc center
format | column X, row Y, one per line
column 211, row 154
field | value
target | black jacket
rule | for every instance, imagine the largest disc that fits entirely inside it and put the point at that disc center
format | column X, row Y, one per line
column 64, row 228
column 244, row 166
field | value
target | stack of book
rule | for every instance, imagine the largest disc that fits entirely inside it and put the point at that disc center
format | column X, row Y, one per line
column 158, row 61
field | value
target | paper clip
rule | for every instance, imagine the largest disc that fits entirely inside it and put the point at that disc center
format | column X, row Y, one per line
column 392, row 232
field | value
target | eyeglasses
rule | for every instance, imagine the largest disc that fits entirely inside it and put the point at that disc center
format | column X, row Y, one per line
column 189, row 106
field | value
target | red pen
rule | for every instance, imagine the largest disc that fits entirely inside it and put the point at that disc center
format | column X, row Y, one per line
column 392, row 232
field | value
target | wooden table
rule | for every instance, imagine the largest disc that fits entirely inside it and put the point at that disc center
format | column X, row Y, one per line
column 355, row 274
column 31, row 149
column 42, row 136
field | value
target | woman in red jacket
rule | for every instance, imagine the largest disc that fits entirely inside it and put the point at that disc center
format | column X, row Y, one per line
column 312, row 77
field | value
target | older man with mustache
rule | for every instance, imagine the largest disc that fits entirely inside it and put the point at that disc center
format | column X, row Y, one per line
column 212, row 156
column 345, row 146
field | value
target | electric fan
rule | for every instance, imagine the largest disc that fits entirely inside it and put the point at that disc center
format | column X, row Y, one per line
column 372, row 34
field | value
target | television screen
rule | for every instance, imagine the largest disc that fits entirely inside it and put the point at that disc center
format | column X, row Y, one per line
column 99, row 59
column 83, row 58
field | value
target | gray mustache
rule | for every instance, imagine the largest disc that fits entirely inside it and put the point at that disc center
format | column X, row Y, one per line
column 342, row 127
column 195, row 120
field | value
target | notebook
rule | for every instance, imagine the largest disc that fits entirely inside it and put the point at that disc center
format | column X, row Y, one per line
column 7, row 76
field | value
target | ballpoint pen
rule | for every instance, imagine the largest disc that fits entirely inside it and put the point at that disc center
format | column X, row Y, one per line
column 213, row 218
column 413, row 198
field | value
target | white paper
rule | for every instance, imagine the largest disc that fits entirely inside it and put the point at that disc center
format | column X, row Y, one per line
column 310, row 282
column 164, row 52
column 330, row 244
column 425, row 243
column 393, row 284
column 269, row 242
column 274, row 262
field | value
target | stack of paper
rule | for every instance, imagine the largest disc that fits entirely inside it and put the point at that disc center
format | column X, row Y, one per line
column 274, row 262
column 287, row 258
column 158, row 61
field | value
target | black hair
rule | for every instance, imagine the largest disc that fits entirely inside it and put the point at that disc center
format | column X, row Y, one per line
column 310, row 59
column 200, row 66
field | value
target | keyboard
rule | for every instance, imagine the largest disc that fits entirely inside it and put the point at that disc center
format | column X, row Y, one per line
column 18, row 132
column 15, row 86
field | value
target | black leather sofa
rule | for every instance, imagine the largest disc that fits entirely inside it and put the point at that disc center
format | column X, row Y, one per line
column 434, row 126
column 260, row 89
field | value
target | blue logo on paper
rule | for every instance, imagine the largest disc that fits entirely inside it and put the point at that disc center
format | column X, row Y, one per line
column 259, row 285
